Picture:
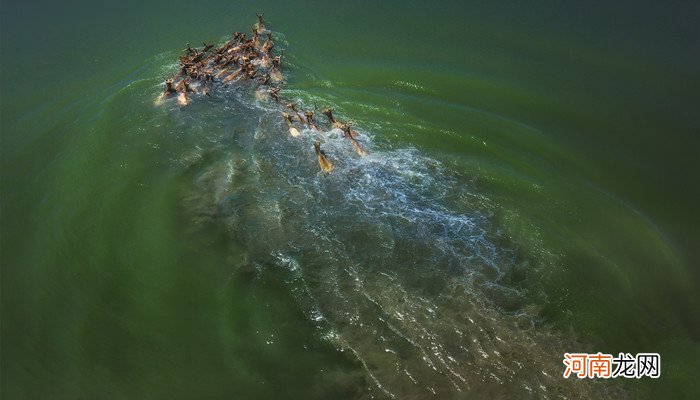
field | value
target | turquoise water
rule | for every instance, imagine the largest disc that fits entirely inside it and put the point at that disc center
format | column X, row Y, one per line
column 531, row 190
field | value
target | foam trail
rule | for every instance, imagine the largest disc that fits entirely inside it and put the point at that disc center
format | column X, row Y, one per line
column 393, row 255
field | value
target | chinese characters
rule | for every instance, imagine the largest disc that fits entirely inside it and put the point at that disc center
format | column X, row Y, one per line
column 605, row 366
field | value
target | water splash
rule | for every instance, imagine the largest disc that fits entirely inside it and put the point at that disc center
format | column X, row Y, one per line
column 392, row 255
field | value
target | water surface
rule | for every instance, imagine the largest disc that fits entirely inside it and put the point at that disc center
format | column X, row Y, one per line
column 531, row 189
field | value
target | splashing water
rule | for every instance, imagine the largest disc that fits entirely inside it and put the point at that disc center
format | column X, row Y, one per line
column 392, row 255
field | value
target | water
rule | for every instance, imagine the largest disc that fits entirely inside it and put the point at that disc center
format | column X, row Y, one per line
column 530, row 190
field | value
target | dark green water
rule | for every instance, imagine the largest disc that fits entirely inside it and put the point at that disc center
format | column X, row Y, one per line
column 531, row 190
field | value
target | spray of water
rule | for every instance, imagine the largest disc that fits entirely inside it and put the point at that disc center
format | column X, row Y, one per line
column 392, row 255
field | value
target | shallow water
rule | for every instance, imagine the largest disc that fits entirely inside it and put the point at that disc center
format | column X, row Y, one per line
column 529, row 191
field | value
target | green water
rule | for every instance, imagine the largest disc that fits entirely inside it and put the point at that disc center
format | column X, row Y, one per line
column 153, row 252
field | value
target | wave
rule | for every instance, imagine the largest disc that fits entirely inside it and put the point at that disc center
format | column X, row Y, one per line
column 394, row 256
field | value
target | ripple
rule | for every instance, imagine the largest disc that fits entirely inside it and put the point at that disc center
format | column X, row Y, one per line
column 393, row 255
